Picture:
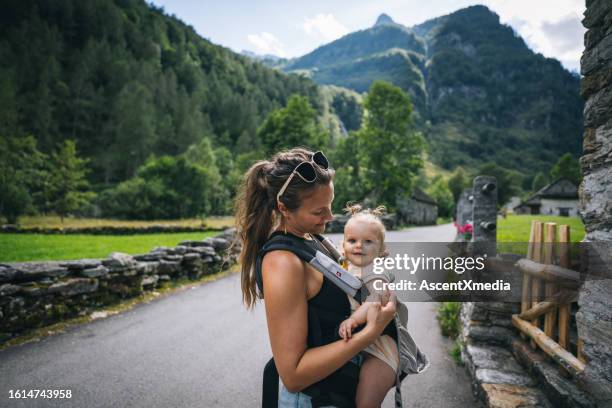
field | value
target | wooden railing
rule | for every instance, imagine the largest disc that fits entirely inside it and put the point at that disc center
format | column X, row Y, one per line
column 557, row 284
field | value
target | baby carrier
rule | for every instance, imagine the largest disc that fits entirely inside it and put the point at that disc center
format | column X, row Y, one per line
column 339, row 388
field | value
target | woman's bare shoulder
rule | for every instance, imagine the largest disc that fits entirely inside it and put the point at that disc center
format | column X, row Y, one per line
column 285, row 267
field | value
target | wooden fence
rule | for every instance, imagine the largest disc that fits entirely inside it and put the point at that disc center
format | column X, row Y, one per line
column 549, row 289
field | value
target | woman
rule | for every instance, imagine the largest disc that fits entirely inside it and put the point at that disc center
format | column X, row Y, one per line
column 292, row 194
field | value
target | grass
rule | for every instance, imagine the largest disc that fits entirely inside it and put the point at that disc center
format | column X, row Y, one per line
column 53, row 221
column 516, row 228
column 448, row 316
column 41, row 247
column 443, row 220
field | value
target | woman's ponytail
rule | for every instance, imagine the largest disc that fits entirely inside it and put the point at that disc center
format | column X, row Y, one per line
column 254, row 220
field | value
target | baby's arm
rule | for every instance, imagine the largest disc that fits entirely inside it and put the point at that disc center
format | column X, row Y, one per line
column 357, row 318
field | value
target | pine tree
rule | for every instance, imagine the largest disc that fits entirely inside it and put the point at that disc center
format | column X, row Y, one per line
column 69, row 180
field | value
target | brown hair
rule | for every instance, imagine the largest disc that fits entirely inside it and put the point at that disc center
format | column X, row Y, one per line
column 257, row 209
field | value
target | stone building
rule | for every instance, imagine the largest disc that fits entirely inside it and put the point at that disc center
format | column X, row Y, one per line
column 557, row 198
column 594, row 318
column 419, row 209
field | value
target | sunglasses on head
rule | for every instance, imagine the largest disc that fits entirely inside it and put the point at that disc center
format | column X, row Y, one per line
column 306, row 171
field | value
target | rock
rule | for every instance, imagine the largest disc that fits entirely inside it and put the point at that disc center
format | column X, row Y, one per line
column 33, row 289
column 146, row 268
column 191, row 257
column 180, row 249
column 173, row 258
column 98, row 315
column 512, row 396
column 492, row 357
column 492, row 376
column 7, row 273
column 31, row 271
column 220, row 244
column 598, row 108
column 82, row 264
column 203, row 251
column 74, row 286
column 196, row 244
column 150, row 281
column 8, row 289
column 118, row 261
column 94, row 272
column 150, row 257
column 596, row 12
column 168, row 267
column 490, row 334
column 562, row 392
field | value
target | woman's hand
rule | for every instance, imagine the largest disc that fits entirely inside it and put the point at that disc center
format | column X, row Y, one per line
column 379, row 316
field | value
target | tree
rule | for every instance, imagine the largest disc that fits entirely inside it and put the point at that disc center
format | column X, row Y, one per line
column 68, row 180
column 457, row 183
column 294, row 125
column 567, row 167
column 441, row 193
column 21, row 168
column 348, row 185
column 164, row 188
column 539, row 181
column 390, row 151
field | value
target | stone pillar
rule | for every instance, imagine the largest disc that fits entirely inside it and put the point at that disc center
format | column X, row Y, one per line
column 464, row 207
column 484, row 215
column 594, row 319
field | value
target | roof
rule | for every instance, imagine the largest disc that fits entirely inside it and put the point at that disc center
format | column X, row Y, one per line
column 420, row 195
column 558, row 188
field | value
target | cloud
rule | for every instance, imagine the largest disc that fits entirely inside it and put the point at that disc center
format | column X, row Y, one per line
column 324, row 26
column 267, row 43
column 550, row 28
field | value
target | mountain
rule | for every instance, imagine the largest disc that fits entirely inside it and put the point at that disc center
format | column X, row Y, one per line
column 270, row 60
column 127, row 81
column 480, row 94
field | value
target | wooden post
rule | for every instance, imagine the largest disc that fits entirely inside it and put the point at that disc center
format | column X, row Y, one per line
column 550, row 235
column 565, row 309
column 526, row 295
column 550, row 347
column 535, row 283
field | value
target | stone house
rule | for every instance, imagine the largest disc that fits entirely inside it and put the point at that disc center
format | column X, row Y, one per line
column 557, row 198
column 419, row 209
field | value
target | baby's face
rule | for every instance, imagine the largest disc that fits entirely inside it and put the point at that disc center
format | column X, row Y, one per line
column 361, row 242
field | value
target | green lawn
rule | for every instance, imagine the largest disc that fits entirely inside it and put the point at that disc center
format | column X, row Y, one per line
column 40, row 247
column 516, row 228
column 53, row 221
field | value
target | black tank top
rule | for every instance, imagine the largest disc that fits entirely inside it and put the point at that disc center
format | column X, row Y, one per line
column 330, row 306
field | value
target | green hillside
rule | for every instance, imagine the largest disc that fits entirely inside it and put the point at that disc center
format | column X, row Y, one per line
column 127, row 81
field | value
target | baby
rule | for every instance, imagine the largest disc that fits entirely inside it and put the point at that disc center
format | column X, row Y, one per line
column 364, row 236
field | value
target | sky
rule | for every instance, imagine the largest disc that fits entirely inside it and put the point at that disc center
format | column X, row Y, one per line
column 294, row 28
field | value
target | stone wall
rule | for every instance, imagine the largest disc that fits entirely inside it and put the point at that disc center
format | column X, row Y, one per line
column 37, row 294
column 594, row 318
column 505, row 370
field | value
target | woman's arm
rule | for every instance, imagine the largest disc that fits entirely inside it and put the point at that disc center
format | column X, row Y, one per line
column 287, row 316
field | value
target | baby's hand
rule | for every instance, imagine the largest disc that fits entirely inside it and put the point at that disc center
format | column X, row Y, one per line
column 346, row 328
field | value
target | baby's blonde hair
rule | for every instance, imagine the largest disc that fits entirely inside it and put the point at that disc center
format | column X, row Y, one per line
column 370, row 214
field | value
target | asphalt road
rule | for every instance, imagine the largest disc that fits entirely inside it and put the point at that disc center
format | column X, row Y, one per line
column 199, row 348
